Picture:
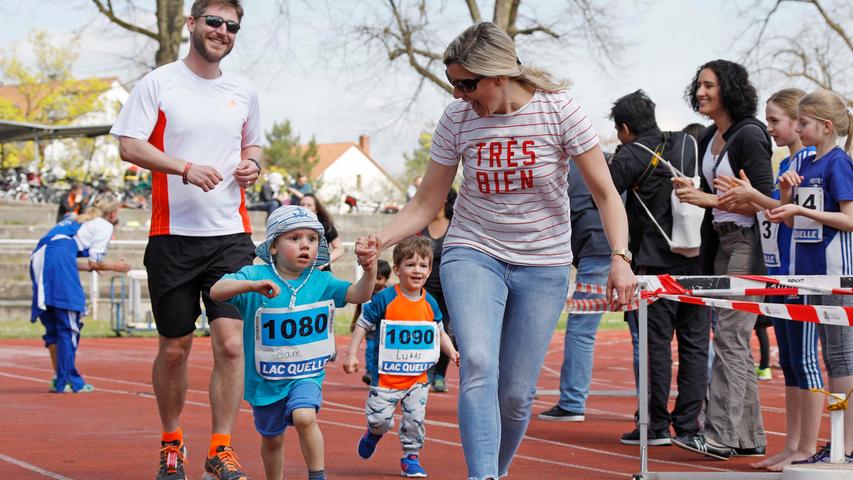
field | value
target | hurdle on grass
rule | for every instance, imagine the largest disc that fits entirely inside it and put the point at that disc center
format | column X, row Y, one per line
column 692, row 290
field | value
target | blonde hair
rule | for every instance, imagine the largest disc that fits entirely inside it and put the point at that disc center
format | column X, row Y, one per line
column 787, row 99
column 486, row 49
column 826, row 105
column 104, row 204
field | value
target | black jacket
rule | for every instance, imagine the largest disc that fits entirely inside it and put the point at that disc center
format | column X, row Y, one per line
column 627, row 167
column 750, row 151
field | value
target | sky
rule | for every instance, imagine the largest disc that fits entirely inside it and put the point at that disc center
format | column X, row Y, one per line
column 308, row 69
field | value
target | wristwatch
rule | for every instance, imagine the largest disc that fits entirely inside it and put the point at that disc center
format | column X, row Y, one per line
column 622, row 252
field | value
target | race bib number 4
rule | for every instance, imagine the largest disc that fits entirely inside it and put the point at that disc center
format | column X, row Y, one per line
column 407, row 347
column 769, row 240
column 807, row 230
column 294, row 343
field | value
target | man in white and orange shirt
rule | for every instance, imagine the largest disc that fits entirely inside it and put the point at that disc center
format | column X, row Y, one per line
column 198, row 130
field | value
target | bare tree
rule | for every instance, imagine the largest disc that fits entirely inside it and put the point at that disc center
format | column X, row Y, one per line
column 819, row 54
column 407, row 33
column 169, row 26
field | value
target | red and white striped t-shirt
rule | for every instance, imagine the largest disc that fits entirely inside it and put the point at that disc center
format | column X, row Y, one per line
column 513, row 203
column 206, row 122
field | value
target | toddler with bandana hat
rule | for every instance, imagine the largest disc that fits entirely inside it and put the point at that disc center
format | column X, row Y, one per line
column 288, row 307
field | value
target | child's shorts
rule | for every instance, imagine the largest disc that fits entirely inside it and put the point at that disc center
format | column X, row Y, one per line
column 272, row 419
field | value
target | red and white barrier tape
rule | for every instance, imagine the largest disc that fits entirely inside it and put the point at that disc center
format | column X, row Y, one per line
column 667, row 287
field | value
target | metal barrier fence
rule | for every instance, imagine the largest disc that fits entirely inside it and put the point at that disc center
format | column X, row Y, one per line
column 703, row 290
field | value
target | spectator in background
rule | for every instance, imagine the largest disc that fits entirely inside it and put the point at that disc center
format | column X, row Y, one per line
column 649, row 182
column 737, row 141
column 299, row 188
column 413, row 188
column 269, row 199
column 70, row 204
column 435, row 232
column 336, row 248
column 694, row 130
column 592, row 260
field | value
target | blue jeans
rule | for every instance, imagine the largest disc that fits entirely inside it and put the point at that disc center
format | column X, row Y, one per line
column 504, row 316
column 578, row 344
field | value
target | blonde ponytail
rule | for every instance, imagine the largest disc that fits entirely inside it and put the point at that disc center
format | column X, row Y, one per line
column 104, row 204
column 849, row 143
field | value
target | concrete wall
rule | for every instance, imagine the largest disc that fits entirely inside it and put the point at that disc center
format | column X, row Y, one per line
column 24, row 221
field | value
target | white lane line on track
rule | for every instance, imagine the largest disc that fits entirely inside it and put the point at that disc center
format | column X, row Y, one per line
column 32, row 468
column 346, row 408
column 349, row 409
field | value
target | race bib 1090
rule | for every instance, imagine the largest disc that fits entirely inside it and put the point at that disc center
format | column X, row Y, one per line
column 407, row 347
column 294, row 343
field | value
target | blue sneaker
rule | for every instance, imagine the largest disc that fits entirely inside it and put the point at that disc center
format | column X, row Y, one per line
column 822, row 456
column 411, row 467
column 367, row 444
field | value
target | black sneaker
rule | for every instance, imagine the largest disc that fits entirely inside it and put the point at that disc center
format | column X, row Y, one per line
column 558, row 414
column 758, row 451
column 223, row 466
column 656, row 439
column 173, row 457
column 697, row 443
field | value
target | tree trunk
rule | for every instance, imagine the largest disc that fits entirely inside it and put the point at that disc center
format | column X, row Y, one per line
column 170, row 23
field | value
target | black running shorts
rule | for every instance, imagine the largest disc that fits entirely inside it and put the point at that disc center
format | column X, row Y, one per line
column 181, row 268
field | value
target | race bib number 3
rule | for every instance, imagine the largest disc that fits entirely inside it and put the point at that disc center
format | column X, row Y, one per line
column 407, row 347
column 294, row 343
column 807, row 230
column 769, row 240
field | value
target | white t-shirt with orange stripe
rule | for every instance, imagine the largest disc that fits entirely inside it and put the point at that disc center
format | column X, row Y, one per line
column 513, row 203
column 206, row 122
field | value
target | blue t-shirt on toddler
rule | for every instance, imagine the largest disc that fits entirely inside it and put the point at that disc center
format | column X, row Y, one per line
column 321, row 286
column 833, row 173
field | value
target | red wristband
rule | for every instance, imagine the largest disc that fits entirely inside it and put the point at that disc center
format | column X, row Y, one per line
column 185, row 172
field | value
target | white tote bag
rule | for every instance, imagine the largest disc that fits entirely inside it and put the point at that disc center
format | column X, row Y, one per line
column 686, row 217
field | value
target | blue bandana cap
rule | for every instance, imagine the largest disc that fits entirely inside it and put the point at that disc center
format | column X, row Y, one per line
column 288, row 218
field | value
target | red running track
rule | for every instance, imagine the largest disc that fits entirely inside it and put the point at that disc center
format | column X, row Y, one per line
column 113, row 433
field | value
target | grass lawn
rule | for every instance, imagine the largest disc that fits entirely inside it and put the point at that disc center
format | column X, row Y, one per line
column 103, row 328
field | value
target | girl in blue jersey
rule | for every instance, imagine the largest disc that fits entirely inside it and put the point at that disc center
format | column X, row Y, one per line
column 58, row 298
column 797, row 341
column 817, row 202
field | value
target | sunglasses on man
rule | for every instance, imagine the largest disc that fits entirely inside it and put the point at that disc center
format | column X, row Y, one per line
column 215, row 22
column 467, row 85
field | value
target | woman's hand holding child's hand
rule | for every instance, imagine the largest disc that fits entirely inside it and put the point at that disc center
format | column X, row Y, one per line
column 267, row 288
column 351, row 364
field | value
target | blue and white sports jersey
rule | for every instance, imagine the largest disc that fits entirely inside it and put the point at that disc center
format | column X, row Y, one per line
column 784, row 237
column 832, row 173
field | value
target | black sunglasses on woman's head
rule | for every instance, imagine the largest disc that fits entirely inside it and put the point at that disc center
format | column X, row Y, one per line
column 467, row 85
column 214, row 22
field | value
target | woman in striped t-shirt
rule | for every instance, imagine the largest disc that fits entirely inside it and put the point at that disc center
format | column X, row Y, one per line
column 505, row 266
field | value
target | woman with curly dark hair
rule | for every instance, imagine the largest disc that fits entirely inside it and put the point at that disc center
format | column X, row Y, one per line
column 736, row 145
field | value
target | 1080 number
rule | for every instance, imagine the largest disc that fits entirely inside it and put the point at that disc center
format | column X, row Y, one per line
column 305, row 328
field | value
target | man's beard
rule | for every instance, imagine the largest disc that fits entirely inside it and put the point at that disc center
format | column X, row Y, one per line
column 199, row 45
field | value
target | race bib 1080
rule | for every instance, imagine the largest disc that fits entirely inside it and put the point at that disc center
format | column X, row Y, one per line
column 294, row 343
column 407, row 347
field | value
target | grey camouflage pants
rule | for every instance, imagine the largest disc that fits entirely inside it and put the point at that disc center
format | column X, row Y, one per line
column 380, row 407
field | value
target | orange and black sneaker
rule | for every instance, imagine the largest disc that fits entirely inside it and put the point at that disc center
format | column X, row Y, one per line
column 173, row 457
column 223, row 466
